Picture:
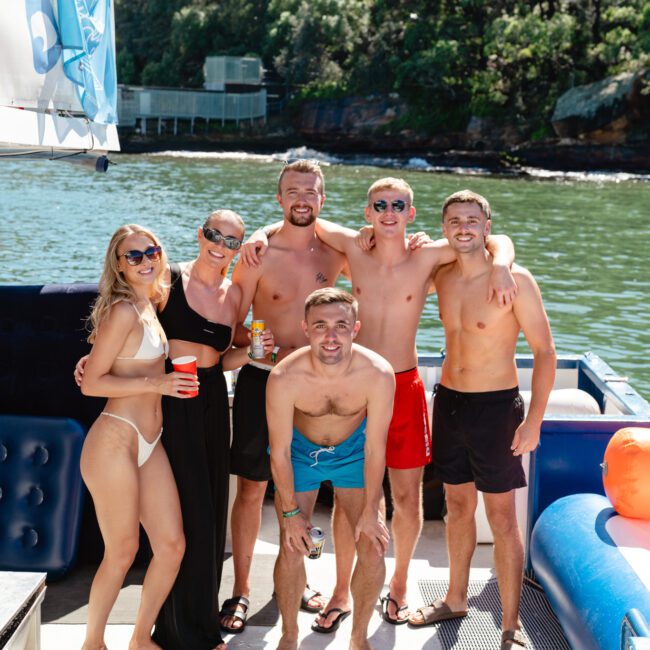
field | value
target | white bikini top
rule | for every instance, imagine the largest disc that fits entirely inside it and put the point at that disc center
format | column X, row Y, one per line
column 152, row 345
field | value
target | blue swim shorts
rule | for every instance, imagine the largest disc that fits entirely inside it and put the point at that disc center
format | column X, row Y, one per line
column 341, row 464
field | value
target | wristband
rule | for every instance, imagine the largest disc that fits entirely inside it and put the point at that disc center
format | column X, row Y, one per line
column 274, row 354
column 290, row 513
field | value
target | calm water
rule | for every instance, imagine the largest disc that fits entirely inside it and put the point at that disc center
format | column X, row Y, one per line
column 586, row 241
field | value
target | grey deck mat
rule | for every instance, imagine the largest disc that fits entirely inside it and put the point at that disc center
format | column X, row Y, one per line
column 481, row 628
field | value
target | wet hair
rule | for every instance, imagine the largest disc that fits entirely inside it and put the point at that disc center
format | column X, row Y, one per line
column 226, row 215
column 467, row 196
column 390, row 183
column 331, row 296
column 113, row 288
column 303, row 166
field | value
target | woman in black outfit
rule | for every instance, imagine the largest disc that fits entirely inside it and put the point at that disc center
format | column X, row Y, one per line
column 199, row 317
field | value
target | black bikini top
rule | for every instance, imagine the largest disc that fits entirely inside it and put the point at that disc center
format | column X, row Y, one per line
column 181, row 322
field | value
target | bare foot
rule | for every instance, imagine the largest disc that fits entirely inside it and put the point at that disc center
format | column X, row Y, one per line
column 334, row 602
column 145, row 644
column 94, row 646
column 288, row 643
column 317, row 600
column 221, row 646
column 359, row 644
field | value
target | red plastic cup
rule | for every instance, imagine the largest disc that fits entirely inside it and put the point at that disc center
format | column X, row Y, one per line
column 186, row 364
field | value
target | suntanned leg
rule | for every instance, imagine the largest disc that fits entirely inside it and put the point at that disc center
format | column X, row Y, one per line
column 344, row 552
column 245, row 522
column 289, row 575
column 369, row 572
column 508, row 553
column 160, row 513
column 111, row 475
column 406, row 490
column 461, row 542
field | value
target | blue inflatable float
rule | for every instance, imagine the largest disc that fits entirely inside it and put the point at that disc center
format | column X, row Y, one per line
column 594, row 566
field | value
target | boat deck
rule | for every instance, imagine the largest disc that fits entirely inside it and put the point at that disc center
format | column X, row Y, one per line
column 65, row 608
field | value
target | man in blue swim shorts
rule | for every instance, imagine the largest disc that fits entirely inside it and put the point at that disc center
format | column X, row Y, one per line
column 328, row 409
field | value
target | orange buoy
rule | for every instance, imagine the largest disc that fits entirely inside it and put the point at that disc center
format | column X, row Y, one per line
column 626, row 472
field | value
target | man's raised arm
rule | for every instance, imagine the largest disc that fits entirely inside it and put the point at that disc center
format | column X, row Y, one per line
column 502, row 284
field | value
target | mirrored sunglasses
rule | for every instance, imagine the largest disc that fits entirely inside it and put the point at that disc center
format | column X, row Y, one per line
column 213, row 235
column 397, row 205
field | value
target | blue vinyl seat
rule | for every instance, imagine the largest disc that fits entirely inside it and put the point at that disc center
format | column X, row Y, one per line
column 41, row 493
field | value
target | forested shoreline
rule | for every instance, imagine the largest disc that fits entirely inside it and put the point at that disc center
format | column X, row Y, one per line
column 505, row 61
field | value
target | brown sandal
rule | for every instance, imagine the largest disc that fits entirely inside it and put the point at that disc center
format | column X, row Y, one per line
column 437, row 612
column 512, row 638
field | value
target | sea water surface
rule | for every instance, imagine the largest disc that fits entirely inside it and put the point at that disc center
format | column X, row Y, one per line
column 586, row 238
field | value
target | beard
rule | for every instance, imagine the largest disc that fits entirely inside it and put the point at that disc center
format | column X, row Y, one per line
column 302, row 221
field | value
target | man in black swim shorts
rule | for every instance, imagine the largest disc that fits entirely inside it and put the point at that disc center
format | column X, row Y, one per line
column 479, row 428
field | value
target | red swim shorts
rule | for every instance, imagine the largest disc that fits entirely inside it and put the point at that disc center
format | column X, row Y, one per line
column 409, row 435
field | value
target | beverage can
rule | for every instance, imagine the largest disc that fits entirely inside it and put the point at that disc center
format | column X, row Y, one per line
column 317, row 537
column 257, row 348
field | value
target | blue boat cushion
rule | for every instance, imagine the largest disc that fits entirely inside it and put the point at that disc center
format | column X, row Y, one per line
column 41, row 493
column 42, row 334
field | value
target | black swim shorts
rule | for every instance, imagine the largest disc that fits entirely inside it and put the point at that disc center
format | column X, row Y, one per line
column 249, row 457
column 472, row 434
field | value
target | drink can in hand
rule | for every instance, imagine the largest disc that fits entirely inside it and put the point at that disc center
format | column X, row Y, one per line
column 257, row 348
column 317, row 537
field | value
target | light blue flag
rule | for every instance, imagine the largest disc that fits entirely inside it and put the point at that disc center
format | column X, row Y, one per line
column 88, row 39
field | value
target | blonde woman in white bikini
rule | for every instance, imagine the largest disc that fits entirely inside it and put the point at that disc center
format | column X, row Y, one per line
column 124, row 467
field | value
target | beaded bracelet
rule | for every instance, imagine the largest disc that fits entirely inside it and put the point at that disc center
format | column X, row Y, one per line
column 290, row 513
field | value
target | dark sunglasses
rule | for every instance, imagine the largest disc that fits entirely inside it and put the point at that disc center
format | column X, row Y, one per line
column 133, row 258
column 213, row 235
column 397, row 205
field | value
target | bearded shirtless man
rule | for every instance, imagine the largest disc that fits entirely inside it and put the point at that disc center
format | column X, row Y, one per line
column 297, row 263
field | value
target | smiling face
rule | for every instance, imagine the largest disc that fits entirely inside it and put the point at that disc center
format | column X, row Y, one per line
column 465, row 226
column 148, row 270
column 301, row 197
column 389, row 210
column 331, row 329
column 217, row 254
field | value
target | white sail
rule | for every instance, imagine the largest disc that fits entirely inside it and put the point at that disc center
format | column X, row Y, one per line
column 44, row 106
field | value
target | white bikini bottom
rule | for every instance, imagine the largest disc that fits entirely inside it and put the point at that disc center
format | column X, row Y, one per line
column 145, row 448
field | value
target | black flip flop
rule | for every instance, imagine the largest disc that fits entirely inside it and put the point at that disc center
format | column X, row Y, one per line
column 229, row 608
column 342, row 615
column 384, row 610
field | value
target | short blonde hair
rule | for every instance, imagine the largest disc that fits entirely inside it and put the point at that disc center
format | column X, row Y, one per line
column 331, row 296
column 303, row 166
column 467, row 196
column 113, row 288
column 391, row 183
